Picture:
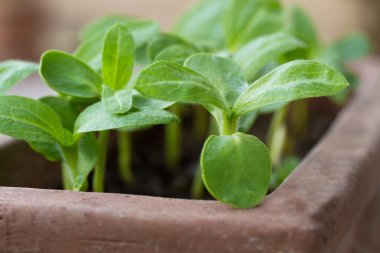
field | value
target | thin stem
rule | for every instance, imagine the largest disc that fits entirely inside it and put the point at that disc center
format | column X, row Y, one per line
column 277, row 134
column 124, row 141
column 197, row 188
column 201, row 121
column 229, row 124
column 173, row 141
column 100, row 169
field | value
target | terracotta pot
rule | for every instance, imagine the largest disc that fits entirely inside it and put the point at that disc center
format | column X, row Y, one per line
column 20, row 26
column 331, row 203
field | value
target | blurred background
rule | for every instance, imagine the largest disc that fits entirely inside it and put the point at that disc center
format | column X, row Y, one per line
column 28, row 27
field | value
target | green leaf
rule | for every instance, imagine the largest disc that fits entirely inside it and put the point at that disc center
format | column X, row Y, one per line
column 90, row 51
column 96, row 118
column 283, row 171
column 162, row 41
column 204, row 23
column 289, row 82
column 175, row 53
column 50, row 150
column 352, row 47
column 79, row 160
column 68, row 75
column 224, row 74
column 31, row 120
column 248, row 19
column 64, row 109
column 246, row 122
column 13, row 72
column 303, row 27
column 258, row 53
column 101, row 26
column 117, row 101
column 236, row 169
column 141, row 102
column 172, row 82
column 118, row 57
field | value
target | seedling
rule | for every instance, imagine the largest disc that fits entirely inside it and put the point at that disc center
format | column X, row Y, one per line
column 236, row 167
column 57, row 127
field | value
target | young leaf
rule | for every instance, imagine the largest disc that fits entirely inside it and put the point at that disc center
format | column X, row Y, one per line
column 236, row 169
column 31, row 120
column 97, row 118
column 13, row 72
column 65, row 110
column 172, row 82
column 79, row 160
column 289, row 82
column 248, row 19
column 118, row 57
column 351, row 47
column 255, row 55
column 175, row 53
column 101, row 26
column 303, row 27
column 90, row 51
column 68, row 75
column 224, row 74
column 117, row 101
column 162, row 41
column 203, row 23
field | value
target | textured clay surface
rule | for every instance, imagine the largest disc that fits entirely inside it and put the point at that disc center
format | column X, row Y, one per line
column 329, row 204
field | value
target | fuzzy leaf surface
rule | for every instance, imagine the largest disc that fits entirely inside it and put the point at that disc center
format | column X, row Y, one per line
column 13, row 72
column 292, row 81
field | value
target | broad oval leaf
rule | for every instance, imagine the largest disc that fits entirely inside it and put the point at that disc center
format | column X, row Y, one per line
column 289, row 82
column 50, row 150
column 236, row 169
column 13, row 72
column 203, row 23
column 31, row 120
column 256, row 54
column 97, row 118
column 352, row 47
column 172, row 82
column 118, row 57
column 224, row 74
column 68, row 75
column 248, row 19
column 117, row 101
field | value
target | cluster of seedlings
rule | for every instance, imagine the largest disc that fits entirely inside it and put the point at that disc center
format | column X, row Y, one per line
column 235, row 58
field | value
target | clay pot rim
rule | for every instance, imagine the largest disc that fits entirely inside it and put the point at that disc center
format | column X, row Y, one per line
column 310, row 212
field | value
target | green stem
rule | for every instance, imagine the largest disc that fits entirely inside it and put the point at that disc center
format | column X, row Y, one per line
column 229, row 124
column 100, row 169
column 124, row 141
column 276, row 138
column 173, row 141
column 201, row 120
column 197, row 188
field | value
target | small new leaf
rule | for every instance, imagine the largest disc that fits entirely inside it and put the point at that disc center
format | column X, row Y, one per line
column 13, row 72
column 68, row 75
column 117, row 102
column 289, row 82
column 118, row 57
